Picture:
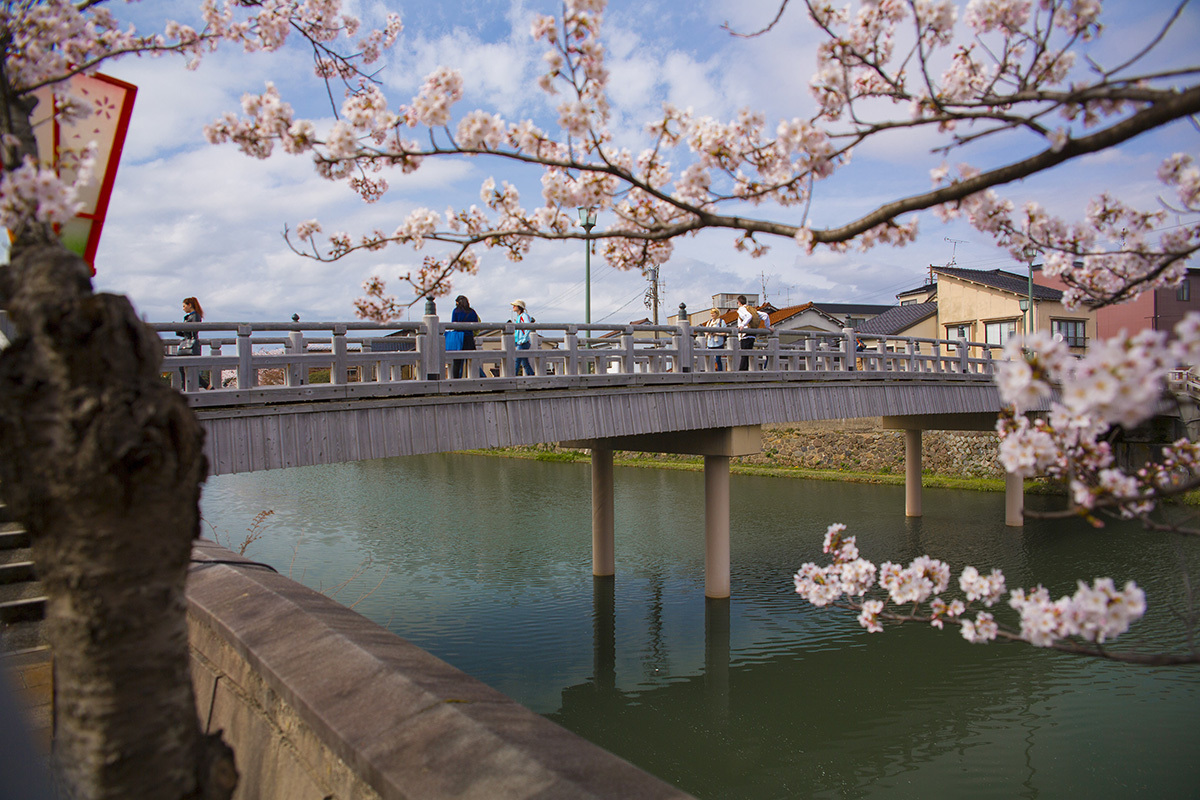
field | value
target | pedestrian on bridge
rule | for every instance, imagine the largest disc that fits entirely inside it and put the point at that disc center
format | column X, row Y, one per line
column 521, row 336
column 190, row 340
column 461, row 340
column 715, row 340
column 749, row 321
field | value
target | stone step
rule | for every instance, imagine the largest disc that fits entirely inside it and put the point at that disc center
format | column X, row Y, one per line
column 23, row 639
column 24, row 590
column 27, row 609
column 14, row 537
column 16, row 556
column 17, row 572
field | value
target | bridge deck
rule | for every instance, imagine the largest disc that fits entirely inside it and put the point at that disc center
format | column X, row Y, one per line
column 390, row 395
column 271, row 436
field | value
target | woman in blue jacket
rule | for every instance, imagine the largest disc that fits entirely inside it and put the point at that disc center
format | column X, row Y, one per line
column 461, row 340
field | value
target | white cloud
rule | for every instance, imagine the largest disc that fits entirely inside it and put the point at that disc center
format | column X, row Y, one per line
column 189, row 218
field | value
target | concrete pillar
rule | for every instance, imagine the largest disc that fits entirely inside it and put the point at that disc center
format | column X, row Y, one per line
column 912, row 472
column 716, row 656
column 1014, row 500
column 716, row 526
column 603, row 552
column 604, row 633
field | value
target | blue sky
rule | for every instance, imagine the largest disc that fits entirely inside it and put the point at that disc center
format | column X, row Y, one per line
column 189, row 218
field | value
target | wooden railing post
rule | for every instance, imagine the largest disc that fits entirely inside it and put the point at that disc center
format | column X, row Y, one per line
column 508, row 367
column 628, row 359
column 247, row 376
column 296, row 374
column 535, row 344
column 430, row 344
column 683, row 341
column 571, row 342
column 964, row 361
column 214, row 374
column 773, row 351
column 337, row 374
column 848, row 349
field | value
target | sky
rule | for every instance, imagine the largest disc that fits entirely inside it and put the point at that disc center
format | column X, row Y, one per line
column 189, row 218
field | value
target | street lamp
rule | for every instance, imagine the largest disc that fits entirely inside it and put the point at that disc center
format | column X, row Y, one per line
column 587, row 218
column 1030, row 254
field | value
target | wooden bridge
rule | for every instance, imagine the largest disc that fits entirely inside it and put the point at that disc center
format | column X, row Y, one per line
column 295, row 394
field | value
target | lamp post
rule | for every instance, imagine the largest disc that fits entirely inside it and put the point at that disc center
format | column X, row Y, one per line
column 1030, row 254
column 587, row 218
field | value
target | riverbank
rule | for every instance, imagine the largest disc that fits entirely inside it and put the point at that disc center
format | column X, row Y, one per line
column 851, row 451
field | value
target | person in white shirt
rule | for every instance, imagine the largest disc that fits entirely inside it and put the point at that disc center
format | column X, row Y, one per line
column 748, row 320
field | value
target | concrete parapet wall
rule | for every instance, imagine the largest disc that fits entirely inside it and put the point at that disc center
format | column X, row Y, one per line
column 319, row 702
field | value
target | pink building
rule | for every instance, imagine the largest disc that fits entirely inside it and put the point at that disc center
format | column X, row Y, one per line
column 1158, row 310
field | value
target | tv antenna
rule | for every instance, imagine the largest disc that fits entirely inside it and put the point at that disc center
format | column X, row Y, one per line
column 954, row 249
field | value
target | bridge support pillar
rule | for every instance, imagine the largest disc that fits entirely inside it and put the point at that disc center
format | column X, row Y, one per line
column 1014, row 500
column 716, row 526
column 912, row 472
column 603, row 550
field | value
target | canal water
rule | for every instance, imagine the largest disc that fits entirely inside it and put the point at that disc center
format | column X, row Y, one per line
column 486, row 562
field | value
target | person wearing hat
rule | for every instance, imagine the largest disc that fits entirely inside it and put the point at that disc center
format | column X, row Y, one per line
column 521, row 336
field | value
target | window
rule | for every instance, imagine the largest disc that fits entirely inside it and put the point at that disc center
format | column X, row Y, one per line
column 1184, row 292
column 958, row 331
column 1071, row 331
column 1000, row 332
column 855, row 322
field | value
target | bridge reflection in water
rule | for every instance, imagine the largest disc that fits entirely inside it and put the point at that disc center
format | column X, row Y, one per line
column 635, row 388
column 487, row 567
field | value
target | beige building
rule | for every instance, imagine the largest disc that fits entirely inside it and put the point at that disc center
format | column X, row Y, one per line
column 993, row 305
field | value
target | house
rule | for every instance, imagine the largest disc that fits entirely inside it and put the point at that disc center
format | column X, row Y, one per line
column 915, row 319
column 1156, row 310
column 993, row 305
column 851, row 315
column 926, row 293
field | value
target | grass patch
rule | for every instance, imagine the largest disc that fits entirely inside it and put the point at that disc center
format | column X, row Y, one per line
column 696, row 464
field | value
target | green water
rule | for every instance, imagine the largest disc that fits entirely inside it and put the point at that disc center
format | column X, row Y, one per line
column 487, row 563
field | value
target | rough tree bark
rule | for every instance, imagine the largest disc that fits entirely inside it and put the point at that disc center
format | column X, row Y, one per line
column 103, row 464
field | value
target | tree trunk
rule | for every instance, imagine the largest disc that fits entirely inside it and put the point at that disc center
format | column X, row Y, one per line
column 102, row 462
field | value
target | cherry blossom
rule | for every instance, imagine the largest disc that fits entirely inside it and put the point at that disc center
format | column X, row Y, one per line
column 1095, row 614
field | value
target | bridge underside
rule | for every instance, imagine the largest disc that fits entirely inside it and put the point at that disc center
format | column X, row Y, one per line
column 249, row 438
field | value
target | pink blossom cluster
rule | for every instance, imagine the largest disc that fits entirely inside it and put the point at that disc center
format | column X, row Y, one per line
column 1120, row 381
column 1095, row 613
column 31, row 193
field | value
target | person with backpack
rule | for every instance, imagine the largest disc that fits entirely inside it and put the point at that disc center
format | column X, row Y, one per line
column 521, row 336
column 749, row 320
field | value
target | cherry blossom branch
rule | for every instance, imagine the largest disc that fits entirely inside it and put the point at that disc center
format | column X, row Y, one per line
column 1080, row 624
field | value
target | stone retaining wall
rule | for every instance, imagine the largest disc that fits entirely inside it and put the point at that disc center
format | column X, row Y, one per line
column 860, row 445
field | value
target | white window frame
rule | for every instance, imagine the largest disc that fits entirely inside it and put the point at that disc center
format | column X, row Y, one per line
column 999, row 332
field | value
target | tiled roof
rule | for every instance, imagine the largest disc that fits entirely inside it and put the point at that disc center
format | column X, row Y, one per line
column 999, row 279
column 851, row 308
column 898, row 319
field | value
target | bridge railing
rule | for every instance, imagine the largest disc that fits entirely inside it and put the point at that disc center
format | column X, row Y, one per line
column 409, row 356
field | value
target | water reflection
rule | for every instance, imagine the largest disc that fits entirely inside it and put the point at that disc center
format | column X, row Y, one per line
column 489, row 567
